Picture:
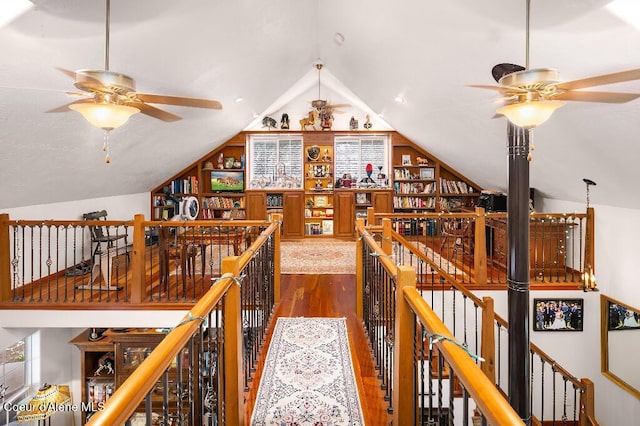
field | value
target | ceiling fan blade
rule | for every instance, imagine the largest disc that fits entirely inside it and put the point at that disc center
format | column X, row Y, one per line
column 176, row 100
column 154, row 112
column 606, row 97
column 501, row 89
column 601, row 80
column 65, row 108
column 334, row 106
column 68, row 73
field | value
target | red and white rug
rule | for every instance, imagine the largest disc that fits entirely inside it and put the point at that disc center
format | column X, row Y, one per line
column 318, row 256
column 308, row 377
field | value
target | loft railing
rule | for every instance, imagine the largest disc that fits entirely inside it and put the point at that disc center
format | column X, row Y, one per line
column 556, row 394
column 197, row 374
column 475, row 245
column 427, row 376
column 58, row 264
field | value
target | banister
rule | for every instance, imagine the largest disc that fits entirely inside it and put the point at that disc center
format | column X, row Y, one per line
column 127, row 397
column 492, row 404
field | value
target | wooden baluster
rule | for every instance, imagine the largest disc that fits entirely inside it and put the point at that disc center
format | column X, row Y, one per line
column 5, row 259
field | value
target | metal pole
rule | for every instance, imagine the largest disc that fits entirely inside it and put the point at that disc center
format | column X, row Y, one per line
column 518, row 270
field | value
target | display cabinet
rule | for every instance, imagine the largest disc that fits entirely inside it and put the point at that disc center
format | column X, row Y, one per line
column 97, row 371
column 318, row 187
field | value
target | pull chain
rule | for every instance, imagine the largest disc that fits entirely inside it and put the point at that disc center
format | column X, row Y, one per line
column 531, row 146
column 105, row 146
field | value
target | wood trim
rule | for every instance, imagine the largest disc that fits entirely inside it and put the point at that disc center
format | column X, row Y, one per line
column 488, row 345
column 5, row 260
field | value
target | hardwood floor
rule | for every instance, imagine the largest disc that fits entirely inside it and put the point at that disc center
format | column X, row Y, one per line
column 329, row 296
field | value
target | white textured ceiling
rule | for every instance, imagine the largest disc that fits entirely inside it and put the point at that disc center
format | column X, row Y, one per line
column 426, row 51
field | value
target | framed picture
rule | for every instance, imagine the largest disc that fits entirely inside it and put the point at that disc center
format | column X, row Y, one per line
column 621, row 317
column 406, row 160
column 322, row 201
column 427, row 173
column 557, row 314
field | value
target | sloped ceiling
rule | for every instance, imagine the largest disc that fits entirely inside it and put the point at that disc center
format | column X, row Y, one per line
column 264, row 52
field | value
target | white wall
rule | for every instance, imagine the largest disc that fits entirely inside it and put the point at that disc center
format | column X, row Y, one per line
column 617, row 268
column 122, row 207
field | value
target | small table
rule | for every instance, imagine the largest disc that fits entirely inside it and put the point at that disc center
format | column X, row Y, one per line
column 205, row 237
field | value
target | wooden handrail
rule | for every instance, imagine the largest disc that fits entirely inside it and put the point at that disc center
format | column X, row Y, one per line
column 483, row 391
column 127, row 397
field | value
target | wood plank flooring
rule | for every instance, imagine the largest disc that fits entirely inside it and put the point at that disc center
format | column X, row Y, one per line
column 329, row 296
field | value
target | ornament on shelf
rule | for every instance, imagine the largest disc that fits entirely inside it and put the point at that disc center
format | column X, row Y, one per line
column 353, row 123
column 269, row 122
column 367, row 122
column 284, row 121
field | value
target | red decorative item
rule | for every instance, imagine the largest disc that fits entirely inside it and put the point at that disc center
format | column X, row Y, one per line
column 369, row 169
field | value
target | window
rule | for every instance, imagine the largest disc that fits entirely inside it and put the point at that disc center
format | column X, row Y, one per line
column 14, row 377
column 352, row 154
column 275, row 162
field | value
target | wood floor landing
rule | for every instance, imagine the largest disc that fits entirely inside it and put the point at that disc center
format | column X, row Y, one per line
column 328, row 296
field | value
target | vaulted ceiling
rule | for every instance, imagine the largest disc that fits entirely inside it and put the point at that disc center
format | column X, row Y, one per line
column 425, row 51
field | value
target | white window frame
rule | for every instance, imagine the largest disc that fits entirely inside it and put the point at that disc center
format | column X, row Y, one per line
column 360, row 173
column 277, row 140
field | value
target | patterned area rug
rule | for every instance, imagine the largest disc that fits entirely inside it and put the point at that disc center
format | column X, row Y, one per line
column 308, row 376
column 318, row 256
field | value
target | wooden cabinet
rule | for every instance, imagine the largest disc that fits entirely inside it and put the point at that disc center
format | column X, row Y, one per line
column 261, row 205
column 344, row 207
column 547, row 246
column 97, row 371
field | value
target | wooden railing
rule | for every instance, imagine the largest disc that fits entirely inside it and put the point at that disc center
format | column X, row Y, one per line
column 399, row 349
column 216, row 335
column 561, row 245
column 473, row 321
column 57, row 265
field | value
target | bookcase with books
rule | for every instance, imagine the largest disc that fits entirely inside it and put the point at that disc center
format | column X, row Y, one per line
column 423, row 183
column 318, row 188
column 216, row 180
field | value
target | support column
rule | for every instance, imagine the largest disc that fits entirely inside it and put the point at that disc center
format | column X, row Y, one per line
column 518, row 271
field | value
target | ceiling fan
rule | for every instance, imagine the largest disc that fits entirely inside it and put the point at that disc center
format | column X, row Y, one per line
column 110, row 98
column 321, row 105
column 532, row 95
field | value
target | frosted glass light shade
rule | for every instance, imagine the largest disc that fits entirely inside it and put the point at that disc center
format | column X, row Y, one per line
column 105, row 116
column 529, row 114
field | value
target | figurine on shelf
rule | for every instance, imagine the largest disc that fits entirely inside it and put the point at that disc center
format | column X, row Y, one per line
column 367, row 122
column 310, row 120
column 422, row 161
column 269, row 122
column 221, row 161
column 326, row 156
column 326, row 119
column 284, row 121
column 353, row 123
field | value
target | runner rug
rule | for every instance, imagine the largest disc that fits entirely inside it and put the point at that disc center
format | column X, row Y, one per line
column 318, row 256
column 308, row 377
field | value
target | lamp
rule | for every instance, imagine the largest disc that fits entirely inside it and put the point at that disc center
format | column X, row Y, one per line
column 589, row 182
column 529, row 114
column 106, row 116
column 48, row 400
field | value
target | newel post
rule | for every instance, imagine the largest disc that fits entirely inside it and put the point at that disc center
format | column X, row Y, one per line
column 5, row 259
column 488, row 345
column 138, row 276
column 276, row 258
column 359, row 269
column 371, row 216
column 587, row 403
column 480, row 247
column 403, row 369
column 233, row 397
column 387, row 238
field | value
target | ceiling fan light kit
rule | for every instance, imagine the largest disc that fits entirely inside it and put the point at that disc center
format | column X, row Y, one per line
column 529, row 114
column 106, row 116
